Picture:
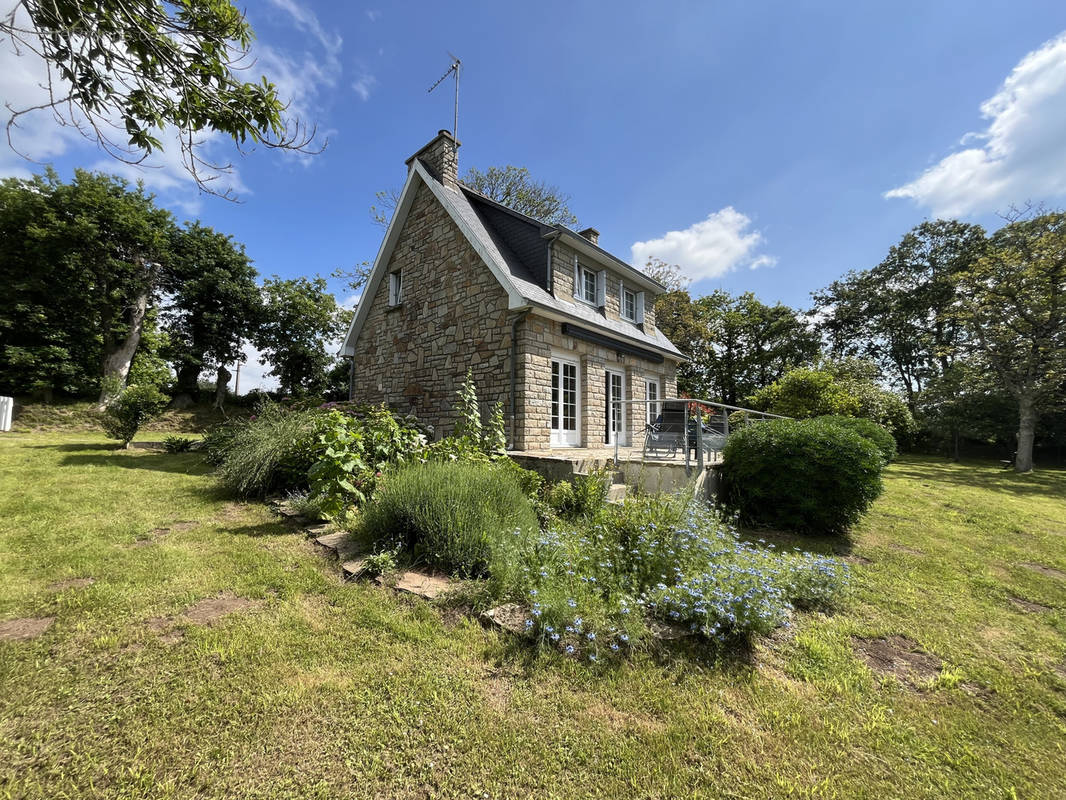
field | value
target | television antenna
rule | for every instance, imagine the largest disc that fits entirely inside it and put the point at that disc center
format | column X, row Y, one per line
column 453, row 68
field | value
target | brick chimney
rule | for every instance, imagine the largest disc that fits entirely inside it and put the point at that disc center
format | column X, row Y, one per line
column 591, row 234
column 441, row 157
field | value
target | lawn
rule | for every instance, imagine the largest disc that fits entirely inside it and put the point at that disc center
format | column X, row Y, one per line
column 318, row 688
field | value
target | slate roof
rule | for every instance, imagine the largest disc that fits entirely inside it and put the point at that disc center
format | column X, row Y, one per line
column 519, row 245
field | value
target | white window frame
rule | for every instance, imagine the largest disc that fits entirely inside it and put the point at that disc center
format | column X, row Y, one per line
column 622, row 304
column 611, row 430
column 561, row 437
column 395, row 287
column 581, row 284
column 652, row 411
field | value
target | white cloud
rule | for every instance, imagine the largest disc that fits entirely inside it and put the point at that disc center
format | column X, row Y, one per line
column 708, row 249
column 373, row 15
column 1021, row 153
column 307, row 21
column 351, row 301
column 363, row 84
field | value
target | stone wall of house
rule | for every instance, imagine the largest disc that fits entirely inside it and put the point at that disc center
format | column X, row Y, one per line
column 453, row 316
column 563, row 284
column 538, row 340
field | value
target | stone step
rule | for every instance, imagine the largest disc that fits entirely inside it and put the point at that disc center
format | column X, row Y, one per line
column 353, row 568
column 425, row 586
column 617, row 493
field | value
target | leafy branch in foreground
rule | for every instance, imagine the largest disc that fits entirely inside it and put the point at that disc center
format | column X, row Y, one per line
column 134, row 68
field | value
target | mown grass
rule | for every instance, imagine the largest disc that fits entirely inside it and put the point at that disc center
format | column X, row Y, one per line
column 328, row 689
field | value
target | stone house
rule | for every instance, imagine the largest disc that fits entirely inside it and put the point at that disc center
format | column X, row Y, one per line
column 550, row 324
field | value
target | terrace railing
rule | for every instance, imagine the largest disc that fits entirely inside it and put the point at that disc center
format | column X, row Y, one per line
column 685, row 424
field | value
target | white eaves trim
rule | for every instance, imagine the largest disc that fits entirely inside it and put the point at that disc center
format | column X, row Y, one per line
column 392, row 235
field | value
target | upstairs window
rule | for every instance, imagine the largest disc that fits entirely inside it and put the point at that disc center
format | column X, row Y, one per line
column 629, row 304
column 586, row 285
column 395, row 288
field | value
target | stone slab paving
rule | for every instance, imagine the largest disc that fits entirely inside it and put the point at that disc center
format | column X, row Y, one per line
column 428, row 587
column 16, row 630
column 510, row 617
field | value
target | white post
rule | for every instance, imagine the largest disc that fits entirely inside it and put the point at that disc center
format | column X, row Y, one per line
column 7, row 405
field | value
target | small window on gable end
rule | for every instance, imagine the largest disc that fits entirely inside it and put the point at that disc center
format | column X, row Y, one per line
column 395, row 288
column 629, row 304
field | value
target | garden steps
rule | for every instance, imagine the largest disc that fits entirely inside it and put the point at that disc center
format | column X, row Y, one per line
column 353, row 557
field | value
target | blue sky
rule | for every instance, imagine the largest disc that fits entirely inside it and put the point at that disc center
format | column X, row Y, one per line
column 763, row 147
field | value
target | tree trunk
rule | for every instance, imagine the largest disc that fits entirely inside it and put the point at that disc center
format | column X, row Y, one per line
column 221, row 386
column 117, row 362
column 1026, row 433
column 187, row 388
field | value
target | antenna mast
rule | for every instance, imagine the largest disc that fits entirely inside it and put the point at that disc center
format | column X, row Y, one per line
column 453, row 68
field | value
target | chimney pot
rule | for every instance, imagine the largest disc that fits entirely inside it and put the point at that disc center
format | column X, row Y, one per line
column 591, row 234
column 441, row 157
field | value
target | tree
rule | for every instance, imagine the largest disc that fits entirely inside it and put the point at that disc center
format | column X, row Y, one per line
column 737, row 344
column 213, row 306
column 515, row 188
column 301, row 319
column 81, row 266
column 903, row 313
column 510, row 186
column 669, row 275
column 143, row 67
column 1014, row 306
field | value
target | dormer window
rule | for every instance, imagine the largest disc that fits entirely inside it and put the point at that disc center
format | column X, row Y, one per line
column 629, row 304
column 395, row 288
column 586, row 285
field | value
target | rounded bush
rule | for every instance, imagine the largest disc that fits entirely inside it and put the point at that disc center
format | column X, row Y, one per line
column 805, row 475
column 131, row 409
column 869, row 429
column 460, row 518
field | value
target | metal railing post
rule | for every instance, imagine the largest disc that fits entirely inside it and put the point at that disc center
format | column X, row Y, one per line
column 699, row 439
column 684, row 437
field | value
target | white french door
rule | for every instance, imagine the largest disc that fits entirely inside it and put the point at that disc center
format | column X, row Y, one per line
column 651, row 394
column 565, row 429
column 615, row 411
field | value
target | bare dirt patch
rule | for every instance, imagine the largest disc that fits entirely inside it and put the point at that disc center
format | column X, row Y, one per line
column 898, row 656
column 497, row 691
column 163, row 627
column 1028, row 605
column 70, row 583
column 858, row 560
column 17, row 630
column 210, row 609
column 183, row 525
column 1050, row 572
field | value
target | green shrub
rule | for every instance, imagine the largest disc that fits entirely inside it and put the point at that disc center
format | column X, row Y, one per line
column 584, row 497
column 131, row 409
column 591, row 587
column 268, row 452
column 353, row 453
column 803, row 393
column 869, row 429
column 460, row 518
column 177, row 444
column 804, row 475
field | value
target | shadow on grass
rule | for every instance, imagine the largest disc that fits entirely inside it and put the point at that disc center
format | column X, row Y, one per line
column 989, row 475
column 786, row 541
column 261, row 529
column 179, row 463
